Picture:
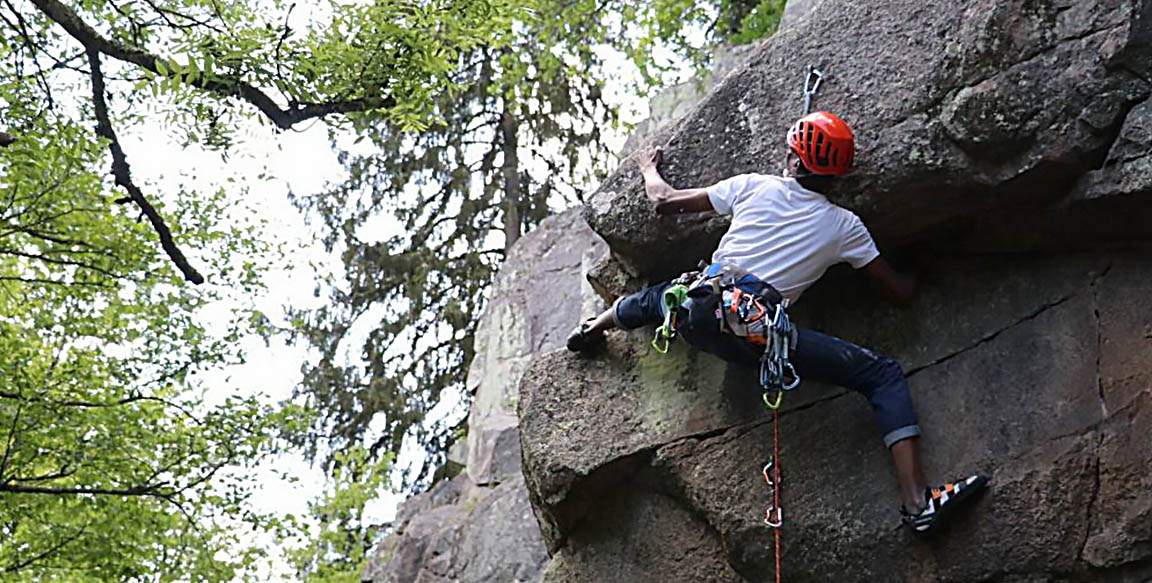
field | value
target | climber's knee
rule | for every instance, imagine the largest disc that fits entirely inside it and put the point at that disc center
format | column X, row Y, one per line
column 643, row 308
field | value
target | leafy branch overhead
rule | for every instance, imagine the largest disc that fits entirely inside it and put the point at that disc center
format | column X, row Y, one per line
column 392, row 57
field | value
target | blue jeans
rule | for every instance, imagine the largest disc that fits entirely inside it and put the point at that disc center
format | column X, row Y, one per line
column 817, row 357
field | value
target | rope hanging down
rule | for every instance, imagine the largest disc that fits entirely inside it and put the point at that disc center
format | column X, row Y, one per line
column 777, row 374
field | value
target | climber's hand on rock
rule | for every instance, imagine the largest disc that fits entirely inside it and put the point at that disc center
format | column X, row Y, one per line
column 649, row 159
column 655, row 188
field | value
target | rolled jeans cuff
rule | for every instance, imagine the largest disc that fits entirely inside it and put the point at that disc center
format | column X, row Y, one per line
column 900, row 434
column 615, row 316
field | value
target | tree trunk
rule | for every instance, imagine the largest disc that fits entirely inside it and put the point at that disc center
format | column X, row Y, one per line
column 509, row 127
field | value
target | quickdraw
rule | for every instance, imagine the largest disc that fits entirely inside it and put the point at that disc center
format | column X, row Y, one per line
column 777, row 374
column 673, row 298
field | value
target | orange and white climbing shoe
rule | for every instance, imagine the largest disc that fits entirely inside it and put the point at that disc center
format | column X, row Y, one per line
column 940, row 501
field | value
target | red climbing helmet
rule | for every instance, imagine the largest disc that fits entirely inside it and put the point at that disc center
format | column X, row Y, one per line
column 824, row 143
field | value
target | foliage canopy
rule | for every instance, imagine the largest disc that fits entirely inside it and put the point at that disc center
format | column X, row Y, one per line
column 117, row 462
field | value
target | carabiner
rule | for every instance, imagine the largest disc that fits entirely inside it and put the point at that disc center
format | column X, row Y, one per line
column 773, row 405
column 774, row 517
column 810, row 87
column 661, row 334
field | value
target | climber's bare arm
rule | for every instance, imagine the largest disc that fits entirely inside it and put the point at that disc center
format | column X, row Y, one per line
column 899, row 287
column 669, row 200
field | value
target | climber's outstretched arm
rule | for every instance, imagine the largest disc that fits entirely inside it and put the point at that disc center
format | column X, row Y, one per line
column 899, row 287
column 669, row 200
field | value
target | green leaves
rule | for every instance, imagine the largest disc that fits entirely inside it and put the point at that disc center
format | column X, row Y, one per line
column 111, row 460
column 338, row 540
column 485, row 115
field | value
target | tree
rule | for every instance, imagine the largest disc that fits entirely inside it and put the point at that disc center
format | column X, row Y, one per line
column 425, row 218
column 522, row 136
column 691, row 30
column 339, row 540
column 114, row 463
column 111, row 465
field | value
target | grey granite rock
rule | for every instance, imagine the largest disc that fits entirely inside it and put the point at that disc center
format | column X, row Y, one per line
column 1031, row 368
column 961, row 111
column 479, row 526
column 538, row 297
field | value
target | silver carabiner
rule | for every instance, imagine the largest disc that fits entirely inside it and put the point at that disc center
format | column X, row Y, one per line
column 774, row 517
column 791, row 370
column 810, row 87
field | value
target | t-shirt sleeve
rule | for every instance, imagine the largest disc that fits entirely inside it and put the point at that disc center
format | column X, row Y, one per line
column 858, row 248
column 724, row 195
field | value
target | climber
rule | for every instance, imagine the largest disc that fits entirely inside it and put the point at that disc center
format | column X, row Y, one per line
column 786, row 232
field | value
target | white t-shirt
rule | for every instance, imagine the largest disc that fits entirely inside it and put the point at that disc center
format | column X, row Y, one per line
column 786, row 234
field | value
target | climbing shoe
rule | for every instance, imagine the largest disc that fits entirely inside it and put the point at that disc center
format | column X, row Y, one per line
column 940, row 501
column 583, row 341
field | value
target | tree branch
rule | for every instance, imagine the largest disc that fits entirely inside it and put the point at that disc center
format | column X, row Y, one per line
column 123, row 173
column 63, row 473
column 48, row 553
column 221, row 85
column 68, row 262
column 149, row 490
column 11, row 440
column 136, row 398
column 38, row 280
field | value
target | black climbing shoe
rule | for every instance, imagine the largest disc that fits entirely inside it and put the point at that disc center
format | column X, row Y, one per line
column 583, row 341
column 940, row 501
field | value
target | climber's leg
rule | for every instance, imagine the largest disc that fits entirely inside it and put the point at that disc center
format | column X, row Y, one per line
column 909, row 472
column 827, row 359
column 643, row 308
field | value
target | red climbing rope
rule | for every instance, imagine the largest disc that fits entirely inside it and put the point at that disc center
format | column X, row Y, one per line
column 774, row 516
column 776, row 485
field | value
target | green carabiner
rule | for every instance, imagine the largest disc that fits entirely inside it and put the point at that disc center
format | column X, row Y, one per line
column 673, row 298
column 661, row 334
column 769, row 403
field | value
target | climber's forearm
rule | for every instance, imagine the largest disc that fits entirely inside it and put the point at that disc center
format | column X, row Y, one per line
column 673, row 201
column 668, row 200
column 899, row 287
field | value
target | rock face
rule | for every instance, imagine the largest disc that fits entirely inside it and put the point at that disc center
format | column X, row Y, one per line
column 479, row 527
column 1032, row 368
column 1005, row 157
column 964, row 112
column 672, row 103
